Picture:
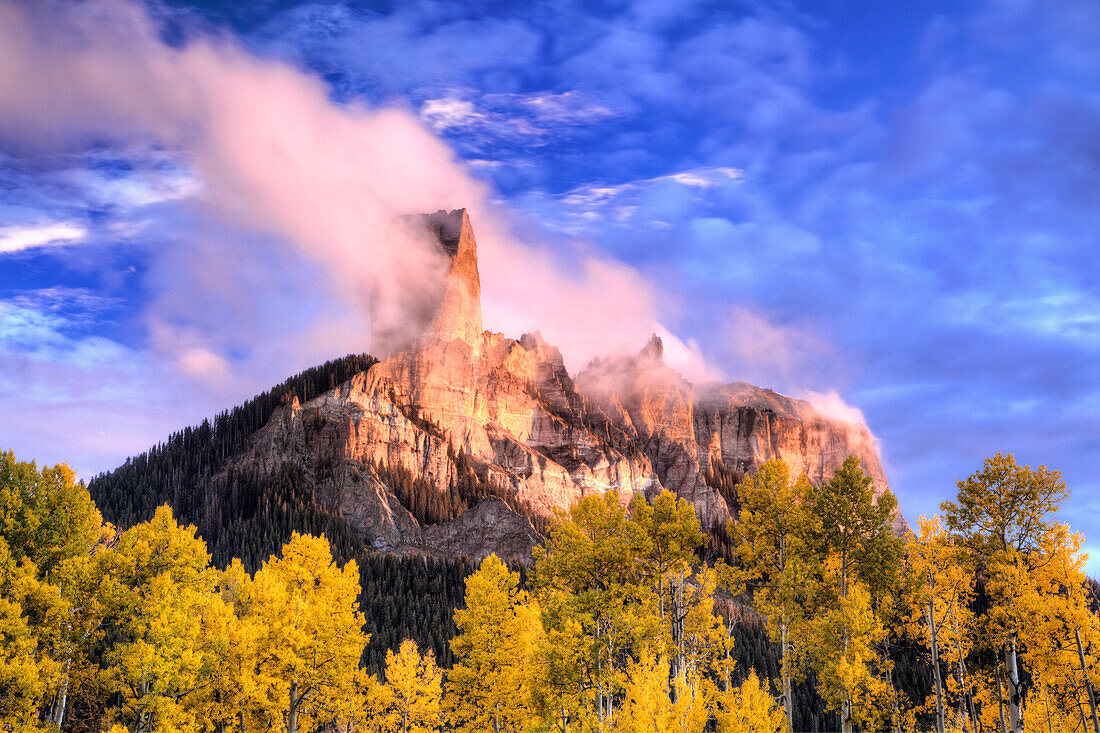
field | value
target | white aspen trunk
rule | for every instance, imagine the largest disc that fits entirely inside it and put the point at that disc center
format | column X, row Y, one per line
column 599, row 675
column 785, row 667
column 139, row 724
column 292, row 709
column 964, row 696
column 936, row 674
column 1088, row 682
column 1001, row 701
column 57, row 716
column 1015, row 701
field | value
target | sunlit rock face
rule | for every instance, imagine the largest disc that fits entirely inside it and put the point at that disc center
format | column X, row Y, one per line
column 741, row 426
column 511, row 409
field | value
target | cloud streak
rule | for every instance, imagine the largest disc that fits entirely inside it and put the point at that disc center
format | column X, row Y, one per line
column 14, row 239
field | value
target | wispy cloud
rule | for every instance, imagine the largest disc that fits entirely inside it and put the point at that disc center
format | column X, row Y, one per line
column 486, row 121
column 17, row 238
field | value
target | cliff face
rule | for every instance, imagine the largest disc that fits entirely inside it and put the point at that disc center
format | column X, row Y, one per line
column 463, row 400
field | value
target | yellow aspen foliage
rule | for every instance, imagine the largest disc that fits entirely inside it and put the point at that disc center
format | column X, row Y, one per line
column 771, row 542
column 376, row 705
column 415, row 689
column 646, row 706
column 561, row 693
column 939, row 617
column 22, row 683
column 488, row 688
column 157, row 600
column 309, row 633
column 749, row 708
column 237, row 695
column 45, row 515
column 1055, row 607
column 843, row 646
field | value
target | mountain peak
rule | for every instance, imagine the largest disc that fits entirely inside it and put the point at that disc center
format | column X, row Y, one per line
column 446, row 227
column 654, row 349
column 459, row 313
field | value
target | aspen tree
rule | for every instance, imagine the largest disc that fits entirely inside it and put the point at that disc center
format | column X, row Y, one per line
column 647, row 707
column 49, row 527
column 306, row 612
column 1002, row 515
column 586, row 575
column 158, row 598
column 1059, row 627
column 561, row 690
column 749, row 708
column 26, row 673
column 865, row 555
column 670, row 537
column 488, row 687
column 770, row 542
column 940, row 612
column 415, row 689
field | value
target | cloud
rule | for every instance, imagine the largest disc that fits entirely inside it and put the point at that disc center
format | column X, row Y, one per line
column 485, row 121
column 756, row 349
column 268, row 216
column 831, row 405
column 14, row 239
column 272, row 152
column 204, row 364
column 442, row 114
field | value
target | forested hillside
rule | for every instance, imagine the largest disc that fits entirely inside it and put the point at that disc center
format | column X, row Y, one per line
column 253, row 515
column 178, row 471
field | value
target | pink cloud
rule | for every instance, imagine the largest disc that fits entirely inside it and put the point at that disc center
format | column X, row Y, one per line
column 287, row 248
column 273, row 153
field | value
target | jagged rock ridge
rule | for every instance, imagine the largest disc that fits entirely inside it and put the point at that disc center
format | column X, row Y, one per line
column 462, row 399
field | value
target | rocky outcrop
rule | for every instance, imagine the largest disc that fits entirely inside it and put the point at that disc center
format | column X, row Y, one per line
column 491, row 527
column 462, row 405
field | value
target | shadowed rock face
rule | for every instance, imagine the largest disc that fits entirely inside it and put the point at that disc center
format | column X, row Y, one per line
column 519, row 421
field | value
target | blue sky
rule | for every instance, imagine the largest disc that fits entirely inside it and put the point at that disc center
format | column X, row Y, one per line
column 898, row 203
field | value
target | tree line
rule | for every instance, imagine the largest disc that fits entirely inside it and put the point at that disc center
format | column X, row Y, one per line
column 619, row 625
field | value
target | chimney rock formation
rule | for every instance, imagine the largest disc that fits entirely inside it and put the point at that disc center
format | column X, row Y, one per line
column 459, row 313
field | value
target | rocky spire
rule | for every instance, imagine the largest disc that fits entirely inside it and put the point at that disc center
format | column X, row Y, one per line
column 654, row 350
column 459, row 313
